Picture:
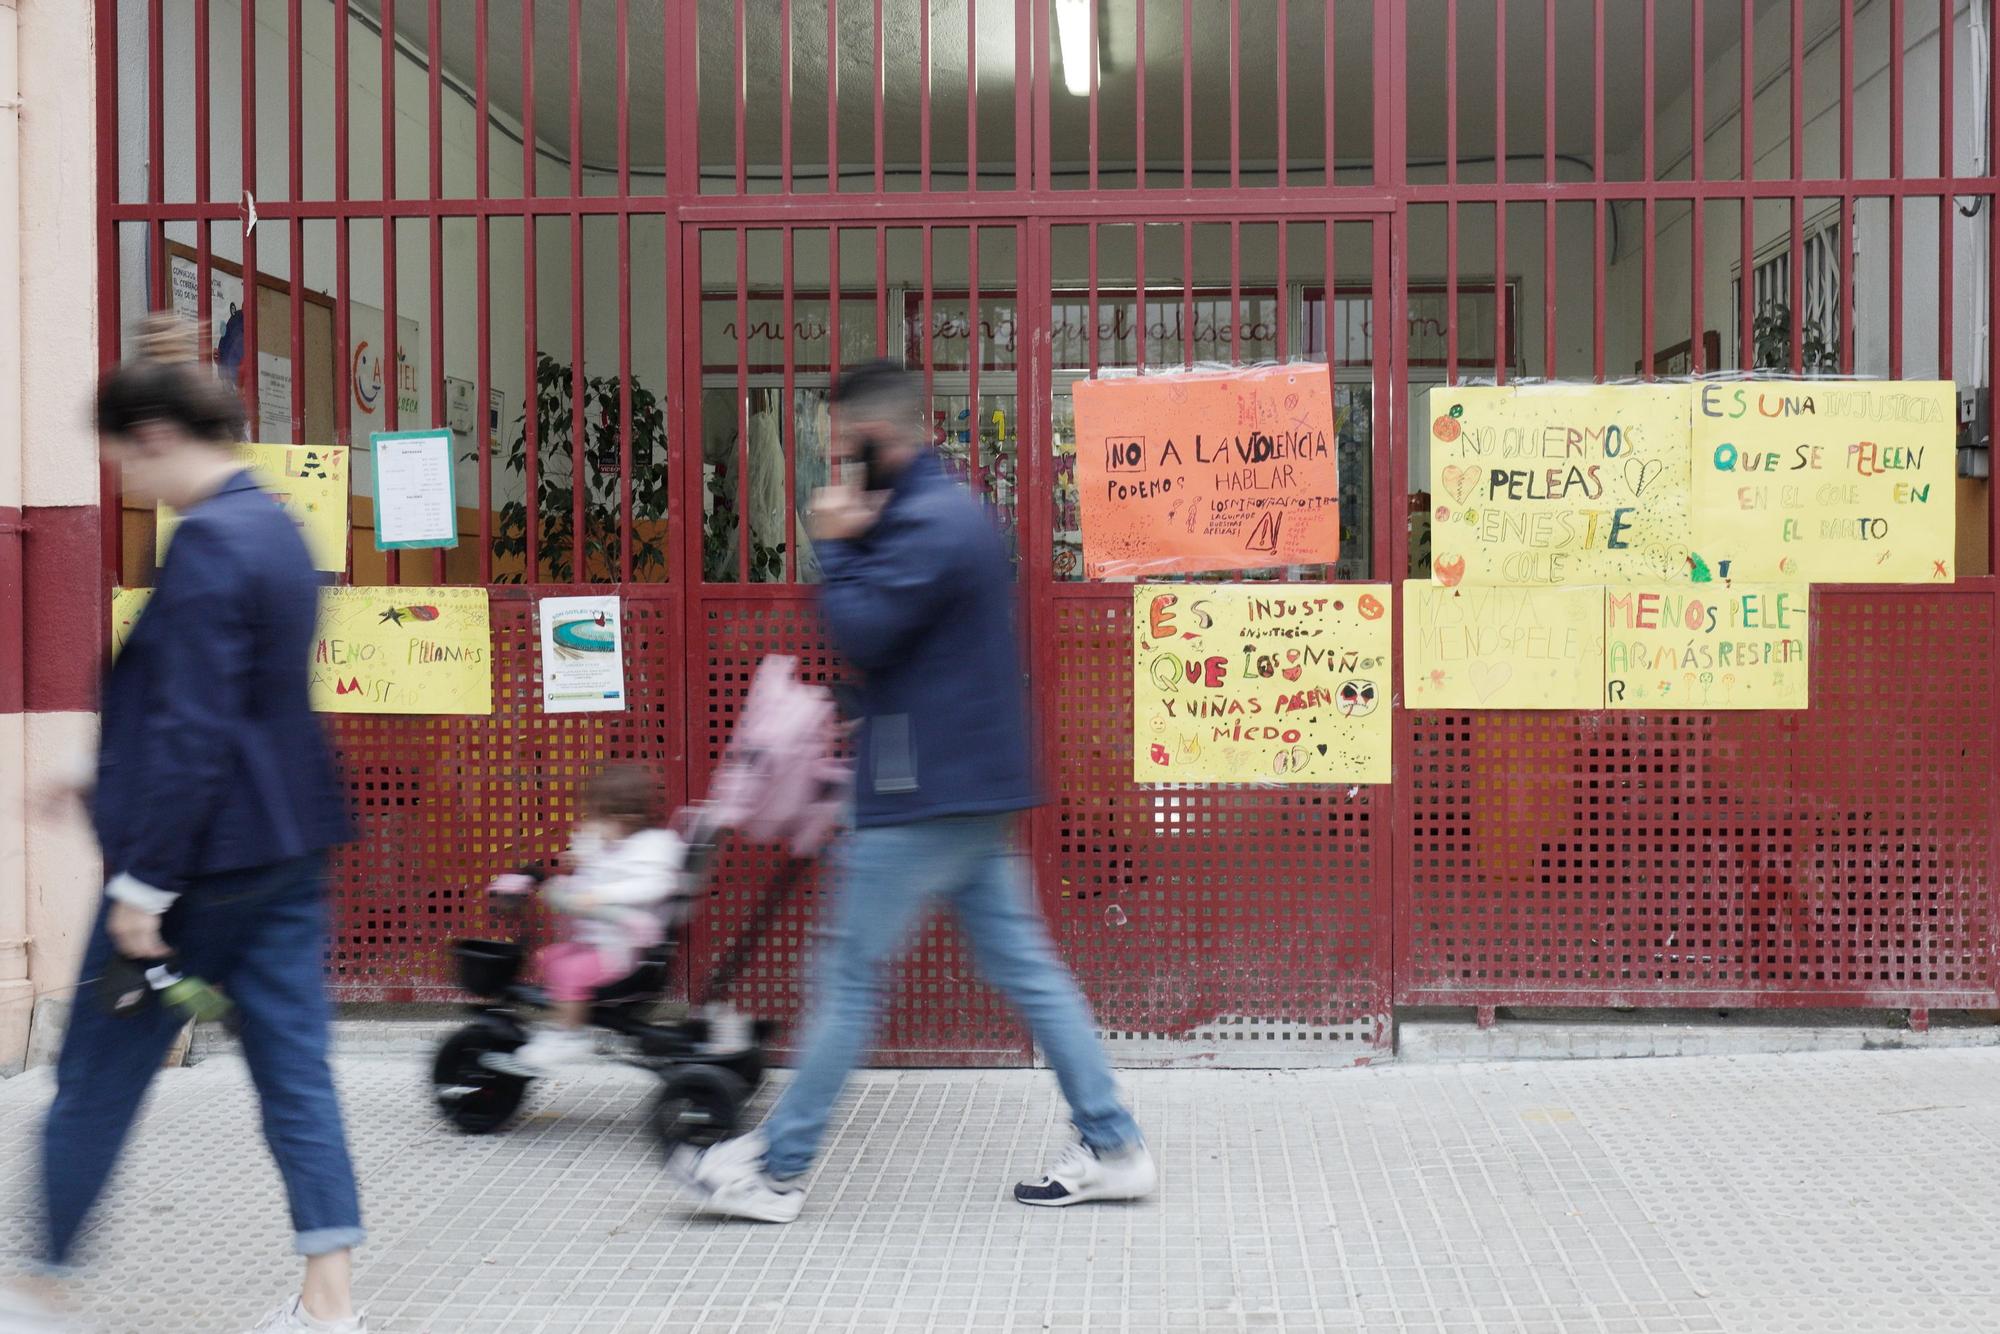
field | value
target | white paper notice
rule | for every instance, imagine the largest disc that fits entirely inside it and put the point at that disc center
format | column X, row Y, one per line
column 274, row 398
column 415, row 501
column 583, row 655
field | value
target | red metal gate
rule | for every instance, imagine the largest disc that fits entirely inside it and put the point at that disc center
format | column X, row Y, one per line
column 1010, row 195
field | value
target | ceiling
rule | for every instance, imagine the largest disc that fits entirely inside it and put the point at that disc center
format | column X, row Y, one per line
column 1354, row 76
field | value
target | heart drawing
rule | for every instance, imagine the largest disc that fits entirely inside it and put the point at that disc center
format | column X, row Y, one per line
column 1460, row 481
column 1449, row 570
column 1488, row 677
column 1639, row 473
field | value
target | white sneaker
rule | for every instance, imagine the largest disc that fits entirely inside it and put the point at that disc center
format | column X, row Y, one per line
column 1081, row 1174
column 729, row 1180
column 544, row 1054
column 292, row 1316
column 22, row 1312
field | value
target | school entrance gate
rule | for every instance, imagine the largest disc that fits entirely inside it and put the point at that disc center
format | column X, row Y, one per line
column 726, row 201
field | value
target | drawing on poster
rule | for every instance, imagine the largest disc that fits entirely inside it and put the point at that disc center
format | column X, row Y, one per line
column 1502, row 648
column 1825, row 482
column 1707, row 647
column 1559, row 484
column 403, row 650
column 1224, row 470
column 126, row 604
column 1246, row 684
column 310, row 481
column 583, row 661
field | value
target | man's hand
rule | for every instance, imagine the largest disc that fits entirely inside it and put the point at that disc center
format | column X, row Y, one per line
column 841, row 514
column 136, row 932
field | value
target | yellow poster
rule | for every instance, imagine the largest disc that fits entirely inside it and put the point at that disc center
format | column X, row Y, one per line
column 1559, row 484
column 310, row 481
column 403, row 650
column 1832, row 481
column 1696, row 647
column 1502, row 648
column 126, row 604
column 1278, row 683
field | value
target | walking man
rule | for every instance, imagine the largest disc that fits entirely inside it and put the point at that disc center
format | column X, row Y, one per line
column 919, row 597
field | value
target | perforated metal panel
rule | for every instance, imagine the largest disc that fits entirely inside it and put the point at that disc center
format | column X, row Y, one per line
column 1841, row 855
column 1214, row 916
column 936, row 1012
column 441, row 804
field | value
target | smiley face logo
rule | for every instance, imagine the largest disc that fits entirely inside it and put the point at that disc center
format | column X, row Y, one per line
column 1356, row 698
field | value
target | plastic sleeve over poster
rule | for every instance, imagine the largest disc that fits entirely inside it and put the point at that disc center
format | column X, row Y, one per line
column 583, row 655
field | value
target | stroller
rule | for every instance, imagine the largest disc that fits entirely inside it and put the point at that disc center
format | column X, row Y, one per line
column 779, row 781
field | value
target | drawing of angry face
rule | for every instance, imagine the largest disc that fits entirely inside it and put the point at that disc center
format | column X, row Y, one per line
column 1356, row 698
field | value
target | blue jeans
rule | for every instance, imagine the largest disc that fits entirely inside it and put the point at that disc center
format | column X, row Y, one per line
column 260, row 935
column 885, row 880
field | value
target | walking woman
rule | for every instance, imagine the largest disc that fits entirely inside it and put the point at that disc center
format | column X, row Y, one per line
column 215, row 802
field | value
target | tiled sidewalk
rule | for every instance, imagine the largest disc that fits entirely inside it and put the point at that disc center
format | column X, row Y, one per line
column 1853, row 1192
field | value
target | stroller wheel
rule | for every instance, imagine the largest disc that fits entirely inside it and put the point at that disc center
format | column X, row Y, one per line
column 472, row 1097
column 747, row 1066
column 698, row 1107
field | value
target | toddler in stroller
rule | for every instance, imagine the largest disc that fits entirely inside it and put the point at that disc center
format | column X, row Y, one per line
column 628, row 883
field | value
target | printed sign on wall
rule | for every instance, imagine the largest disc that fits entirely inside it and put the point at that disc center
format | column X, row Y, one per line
column 310, row 481
column 1287, row 683
column 1559, row 484
column 1235, row 470
column 403, row 650
column 1707, row 647
column 1502, row 648
column 1833, row 481
column 583, row 655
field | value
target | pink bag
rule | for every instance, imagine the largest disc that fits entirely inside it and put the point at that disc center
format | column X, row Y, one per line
column 780, row 781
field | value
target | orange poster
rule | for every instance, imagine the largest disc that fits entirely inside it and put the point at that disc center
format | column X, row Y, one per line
column 1214, row 470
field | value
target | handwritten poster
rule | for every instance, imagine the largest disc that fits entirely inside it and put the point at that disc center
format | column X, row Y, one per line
column 416, row 496
column 1706, row 647
column 1502, row 648
column 1559, row 484
column 583, row 655
column 310, row 481
column 126, row 604
column 403, row 650
column 1826, row 482
column 1229, row 470
column 1235, row 683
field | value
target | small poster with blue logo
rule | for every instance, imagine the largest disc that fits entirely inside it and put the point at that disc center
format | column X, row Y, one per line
column 583, row 655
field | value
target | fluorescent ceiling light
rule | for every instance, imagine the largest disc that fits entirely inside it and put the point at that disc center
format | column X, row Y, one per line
column 1073, row 37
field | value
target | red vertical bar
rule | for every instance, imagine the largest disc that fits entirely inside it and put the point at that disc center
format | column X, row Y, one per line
column 392, row 341
column 881, row 289
column 1698, row 203
column 295, row 165
column 1549, row 175
column 1093, row 96
column 1235, row 292
column 436, row 108
column 1235, row 94
column 833, row 97
column 1283, row 305
column 1947, row 166
column 877, row 90
column 1284, row 112
column 1597, row 174
column 1090, row 311
column 531, row 304
column 1187, row 294
column 156, row 161
column 1896, row 201
column 581, row 463
column 624, row 34
column 1031, row 113
column 972, row 99
column 1992, row 298
column 483, row 376
column 923, row 97
column 973, row 353
column 1138, row 101
column 784, row 100
column 252, row 275
column 789, row 439
column 1798, row 155
column 925, row 339
column 743, row 533
column 1648, row 247
column 1187, row 109
column 1330, row 288
column 1846, row 233
column 742, row 82
column 1500, row 311
column 1139, row 293
column 1451, row 179
column 201, row 114
column 343, row 315
column 832, row 305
